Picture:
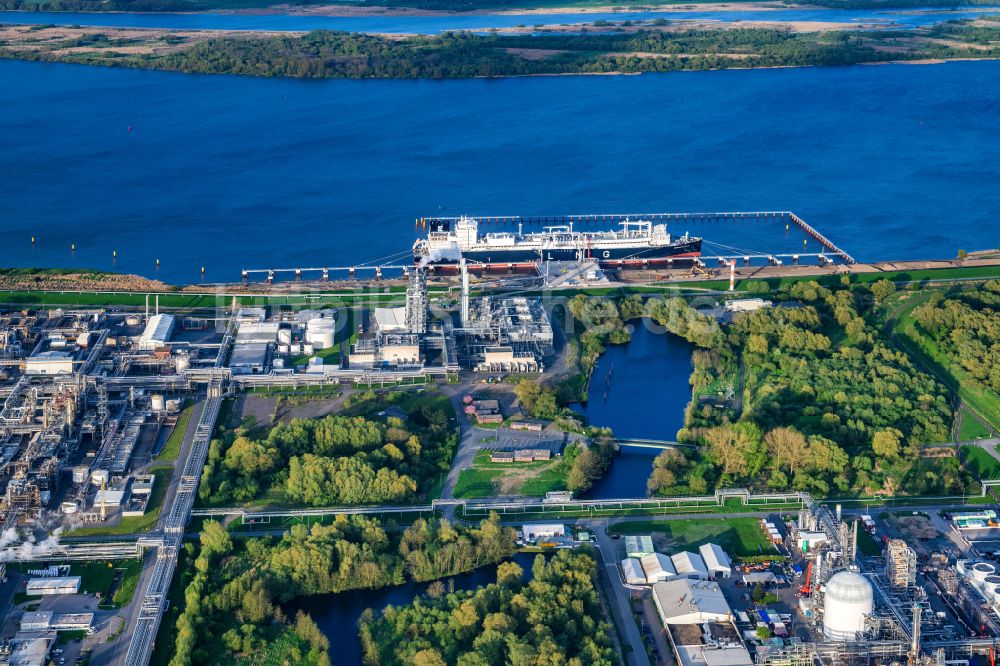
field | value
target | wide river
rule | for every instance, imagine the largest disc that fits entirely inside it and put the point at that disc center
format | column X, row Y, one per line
column 435, row 24
column 226, row 172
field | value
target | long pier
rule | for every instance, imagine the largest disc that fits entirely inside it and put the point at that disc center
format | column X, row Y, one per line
column 591, row 218
column 617, row 218
column 325, row 271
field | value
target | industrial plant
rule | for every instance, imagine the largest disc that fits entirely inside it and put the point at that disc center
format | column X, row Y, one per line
column 818, row 600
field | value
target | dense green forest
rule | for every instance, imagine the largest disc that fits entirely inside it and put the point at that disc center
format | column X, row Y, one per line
column 556, row 618
column 233, row 595
column 331, row 461
column 966, row 327
column 828, row 405
column 324, row 54
column 598, row 322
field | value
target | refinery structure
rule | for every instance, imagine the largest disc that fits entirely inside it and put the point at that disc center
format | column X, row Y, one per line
column 848, row 609
column 89, row 397
column 108, row 413
column 86, row 393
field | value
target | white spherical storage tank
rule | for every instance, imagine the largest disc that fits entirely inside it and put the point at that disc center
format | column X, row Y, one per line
column 848, row 600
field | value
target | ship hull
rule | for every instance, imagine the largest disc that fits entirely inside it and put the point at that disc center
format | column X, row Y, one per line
column 678, row 254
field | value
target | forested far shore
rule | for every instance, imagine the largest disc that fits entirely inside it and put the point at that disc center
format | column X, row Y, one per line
column 325, row 54
column 433, row 5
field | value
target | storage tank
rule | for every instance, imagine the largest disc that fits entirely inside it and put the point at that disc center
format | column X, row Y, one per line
column 182, row 362
column 284, row 348
column 307, row 348
column 981, row 571
column 285, row 336
column 321, row 339
column 69, row 507
column 319, row 323
column 173, row 406
column 99, row 477
column 132, row 320
column 80, row 474
column 848, row 600
column 157, row 402
column 990, row 583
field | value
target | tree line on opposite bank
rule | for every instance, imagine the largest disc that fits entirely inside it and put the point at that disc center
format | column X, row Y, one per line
column 441, row 5
column 326, row 54
column 233, row 592
column 555, row 618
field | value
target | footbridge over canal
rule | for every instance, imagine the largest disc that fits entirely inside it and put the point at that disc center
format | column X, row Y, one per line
column 649, row 443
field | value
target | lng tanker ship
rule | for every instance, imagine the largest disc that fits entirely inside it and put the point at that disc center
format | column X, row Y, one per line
column 635, row 244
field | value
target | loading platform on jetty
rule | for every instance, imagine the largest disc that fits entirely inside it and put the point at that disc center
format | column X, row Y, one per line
column 829, row 254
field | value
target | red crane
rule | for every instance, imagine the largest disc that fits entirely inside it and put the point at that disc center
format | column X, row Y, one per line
column 806, row 589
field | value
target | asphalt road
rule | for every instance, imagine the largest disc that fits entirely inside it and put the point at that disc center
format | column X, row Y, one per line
column 621, row 601
column 114, row 652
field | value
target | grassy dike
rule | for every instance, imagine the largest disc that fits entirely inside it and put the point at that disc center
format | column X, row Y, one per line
column 394, row 293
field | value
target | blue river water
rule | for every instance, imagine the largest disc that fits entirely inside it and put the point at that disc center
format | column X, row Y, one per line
column 227, row 172
column 435, row 24
column 639, row 390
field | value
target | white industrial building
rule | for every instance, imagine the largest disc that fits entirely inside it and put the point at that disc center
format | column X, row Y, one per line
column 50, row 586
column 690, row 565
column 848, row 600
column 714, row 655
column 807, row 540
column 685, row 601
column 396, row 349
column 746, row 304
column 716, row 560
column 49, row 363
column 657, row 568
column 49, row 621
column 158, row 330
column 632, row 572
column 257, row 333
column 28, row 649
column 250, row 315
column 532, row 531
column 638, row 545
column 249, row 358
column 506, row 359
column 109, row 498
column 391, row 320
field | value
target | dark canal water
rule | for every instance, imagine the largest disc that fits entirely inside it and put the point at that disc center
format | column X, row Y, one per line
column 639, row 390
column 337, row 614
column 895, row 161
